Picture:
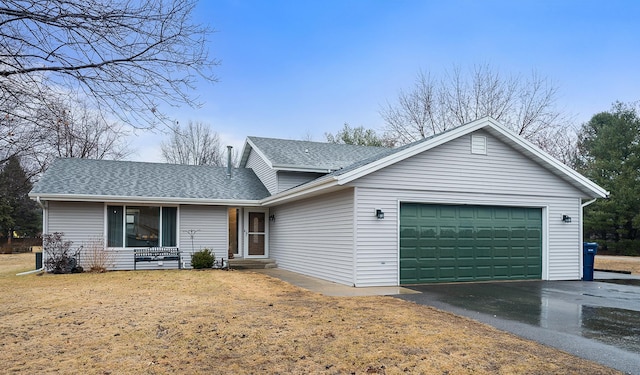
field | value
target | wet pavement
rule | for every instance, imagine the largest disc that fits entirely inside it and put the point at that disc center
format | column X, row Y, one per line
column 594, row 320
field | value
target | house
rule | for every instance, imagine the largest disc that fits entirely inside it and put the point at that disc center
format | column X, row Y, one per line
column 474, row 203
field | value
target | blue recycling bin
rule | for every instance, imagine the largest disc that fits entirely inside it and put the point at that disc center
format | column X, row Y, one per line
column 589, row 250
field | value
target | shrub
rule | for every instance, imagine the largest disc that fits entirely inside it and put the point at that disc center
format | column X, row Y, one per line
column 202, row 259
column 621, row 247
column 59, row 258
column 95, row 256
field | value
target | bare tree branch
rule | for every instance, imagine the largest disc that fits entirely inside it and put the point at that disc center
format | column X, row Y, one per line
column 195, row 144
column 526, row 106
column 127, row 56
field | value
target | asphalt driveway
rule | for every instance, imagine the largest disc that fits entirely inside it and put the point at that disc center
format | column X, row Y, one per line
column 594, row 320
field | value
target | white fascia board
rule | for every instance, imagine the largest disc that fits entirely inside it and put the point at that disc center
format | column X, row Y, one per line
column 411, row 151
column 246, row 148
column 551, row 161
column 256, row 150
column 298, row 168
column 148, row 200
column 308, row 188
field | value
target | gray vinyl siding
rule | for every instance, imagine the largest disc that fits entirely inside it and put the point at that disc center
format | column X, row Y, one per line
column 82, row 223
column 450, row 174
column 210, row 225
column 288, row 180
column 565, row 242
column 452, row 167
column 315, row 236
column 79, row 221
column 265, row 173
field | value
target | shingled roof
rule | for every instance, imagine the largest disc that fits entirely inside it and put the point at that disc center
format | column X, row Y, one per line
column 287, row 154
column 69, row 178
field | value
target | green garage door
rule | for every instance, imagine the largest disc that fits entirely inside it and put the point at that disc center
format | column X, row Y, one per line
column 443, row 243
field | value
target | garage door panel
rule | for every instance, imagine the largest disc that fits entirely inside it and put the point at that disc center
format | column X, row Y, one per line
column 484, row 271
column 484, row 233
column 425, row 211
column 410, row 253
column 500, row 213
column 427, row 231
column 467, row 243
column 483, row 213
column 466, row 252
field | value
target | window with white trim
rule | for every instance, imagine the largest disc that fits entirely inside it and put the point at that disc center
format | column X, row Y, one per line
column 141, row 226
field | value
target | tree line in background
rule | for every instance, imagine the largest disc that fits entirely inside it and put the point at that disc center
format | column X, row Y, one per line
column 19, row 215
column 608, row 152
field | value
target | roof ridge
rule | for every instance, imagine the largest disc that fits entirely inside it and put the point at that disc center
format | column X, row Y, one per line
column 314, row 142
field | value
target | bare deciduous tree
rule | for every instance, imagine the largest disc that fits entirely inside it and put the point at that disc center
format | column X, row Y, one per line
column 73, row 130
column 195, row 144
column 62, row 128
column 525, row 105
column 127, row 57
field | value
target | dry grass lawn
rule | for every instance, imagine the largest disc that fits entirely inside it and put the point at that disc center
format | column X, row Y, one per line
column 618, row 263
column 190, row 322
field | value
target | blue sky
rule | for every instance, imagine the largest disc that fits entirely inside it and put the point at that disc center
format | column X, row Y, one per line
column 292, row 69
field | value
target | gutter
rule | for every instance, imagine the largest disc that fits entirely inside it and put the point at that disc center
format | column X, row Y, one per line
column 585, row 204
column 322, row 183
column 40, row 202
column 149, row 200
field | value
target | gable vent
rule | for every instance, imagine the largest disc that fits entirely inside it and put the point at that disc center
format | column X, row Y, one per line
column 478, row 144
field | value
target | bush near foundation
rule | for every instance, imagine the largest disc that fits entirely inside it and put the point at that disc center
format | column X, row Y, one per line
column 202, row 259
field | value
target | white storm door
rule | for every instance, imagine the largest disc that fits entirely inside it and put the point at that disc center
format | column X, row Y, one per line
column 256, row 244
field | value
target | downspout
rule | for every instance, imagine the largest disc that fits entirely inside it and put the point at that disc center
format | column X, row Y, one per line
column 42, row 205
column 44, row 228
column 582, row 206
column 30, row 272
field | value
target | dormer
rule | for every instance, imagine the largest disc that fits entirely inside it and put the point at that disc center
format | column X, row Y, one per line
column 283, row 163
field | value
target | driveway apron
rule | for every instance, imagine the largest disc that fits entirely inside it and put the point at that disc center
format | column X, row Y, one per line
column 599, row 321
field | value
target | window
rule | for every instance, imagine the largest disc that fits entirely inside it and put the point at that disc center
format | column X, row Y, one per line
column 114, row 226
column 141, row 226
column 169, row 224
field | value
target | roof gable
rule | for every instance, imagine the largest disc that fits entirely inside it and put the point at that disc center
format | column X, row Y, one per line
column 492, row 126
column 386, row 158
column 306, row 156
column 112, row 180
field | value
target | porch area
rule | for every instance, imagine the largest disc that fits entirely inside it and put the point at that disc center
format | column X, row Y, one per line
column 246, row 264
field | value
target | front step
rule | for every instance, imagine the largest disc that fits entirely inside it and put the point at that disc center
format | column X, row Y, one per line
column 246, row 264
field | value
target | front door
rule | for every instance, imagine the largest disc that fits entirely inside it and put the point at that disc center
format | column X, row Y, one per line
column 255, row 241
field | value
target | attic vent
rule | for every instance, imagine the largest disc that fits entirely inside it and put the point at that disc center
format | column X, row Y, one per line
column 306, row 150
column 478, row 144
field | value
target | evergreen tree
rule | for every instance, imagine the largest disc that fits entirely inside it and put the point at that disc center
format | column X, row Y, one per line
column 609, row 154
column 18, row 213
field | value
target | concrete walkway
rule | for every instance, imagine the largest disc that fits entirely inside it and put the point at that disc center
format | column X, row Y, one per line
column 329, row 288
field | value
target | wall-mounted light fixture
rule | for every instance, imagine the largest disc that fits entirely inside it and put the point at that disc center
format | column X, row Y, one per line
column 379, row 213
column 272, row 217
column 566, row 218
